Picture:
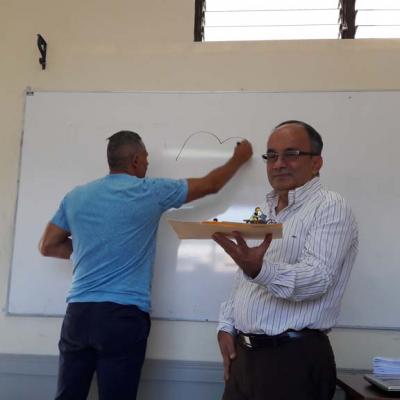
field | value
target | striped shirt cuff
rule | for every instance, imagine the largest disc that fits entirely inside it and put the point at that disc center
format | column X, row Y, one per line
column 227, row 328
column 266, row 275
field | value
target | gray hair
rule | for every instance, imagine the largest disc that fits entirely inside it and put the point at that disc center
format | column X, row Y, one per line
column 122, row 146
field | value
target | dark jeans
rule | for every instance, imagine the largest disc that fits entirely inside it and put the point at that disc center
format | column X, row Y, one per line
column 108, row 338
column 300, row 369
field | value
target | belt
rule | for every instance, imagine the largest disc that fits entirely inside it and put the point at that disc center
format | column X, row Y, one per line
column 250, row 341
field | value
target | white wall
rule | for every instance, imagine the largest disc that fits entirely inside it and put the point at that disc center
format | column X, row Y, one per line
column 132, row 45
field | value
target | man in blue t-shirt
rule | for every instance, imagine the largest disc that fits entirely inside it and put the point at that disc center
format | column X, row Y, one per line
column 108, row 229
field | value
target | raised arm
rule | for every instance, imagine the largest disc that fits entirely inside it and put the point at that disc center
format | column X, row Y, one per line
column 217, row 178
column 55, row 242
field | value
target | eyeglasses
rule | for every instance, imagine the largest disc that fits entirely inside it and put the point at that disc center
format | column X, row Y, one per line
column 288, row 155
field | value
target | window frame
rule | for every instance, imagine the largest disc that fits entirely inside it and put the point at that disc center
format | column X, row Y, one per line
column 347, row 19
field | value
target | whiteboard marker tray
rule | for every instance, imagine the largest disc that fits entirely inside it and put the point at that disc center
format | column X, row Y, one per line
column 205, row 229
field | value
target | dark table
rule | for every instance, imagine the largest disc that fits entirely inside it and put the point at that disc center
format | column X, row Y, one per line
column 356, row 388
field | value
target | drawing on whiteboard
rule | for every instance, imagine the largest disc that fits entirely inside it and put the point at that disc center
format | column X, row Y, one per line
column 207, row 133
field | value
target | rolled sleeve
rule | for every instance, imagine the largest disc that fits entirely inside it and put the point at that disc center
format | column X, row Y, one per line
column 225, row 324
column 60, row 217
column 172, row 193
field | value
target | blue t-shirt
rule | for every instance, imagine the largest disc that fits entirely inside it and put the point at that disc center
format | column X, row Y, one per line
column 113, row 223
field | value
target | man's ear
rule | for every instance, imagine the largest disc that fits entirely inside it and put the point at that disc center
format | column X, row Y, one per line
column 317, row 164
column 134, row 161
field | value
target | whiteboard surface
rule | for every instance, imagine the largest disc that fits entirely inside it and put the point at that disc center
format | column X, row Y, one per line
column 64, row 144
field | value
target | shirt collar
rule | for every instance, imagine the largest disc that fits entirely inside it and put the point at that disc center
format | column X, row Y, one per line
column 298, row 195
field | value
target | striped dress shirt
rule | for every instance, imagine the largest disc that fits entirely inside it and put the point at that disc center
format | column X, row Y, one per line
column 304, row 274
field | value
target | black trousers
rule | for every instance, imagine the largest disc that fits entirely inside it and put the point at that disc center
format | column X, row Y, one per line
column 107, row 338
column 299, row 369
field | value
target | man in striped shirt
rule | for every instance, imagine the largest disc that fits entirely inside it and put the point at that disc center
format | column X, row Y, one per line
column 287, row 293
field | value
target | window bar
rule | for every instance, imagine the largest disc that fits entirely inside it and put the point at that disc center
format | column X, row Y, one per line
column 347, row 19
column 199, row 20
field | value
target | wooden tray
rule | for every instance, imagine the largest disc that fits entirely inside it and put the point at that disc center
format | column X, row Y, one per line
column 204, row 229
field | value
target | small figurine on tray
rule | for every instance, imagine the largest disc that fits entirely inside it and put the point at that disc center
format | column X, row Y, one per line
column 258, row 217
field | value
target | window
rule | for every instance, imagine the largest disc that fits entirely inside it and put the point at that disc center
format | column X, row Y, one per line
column 234, row 20
column 378, row 19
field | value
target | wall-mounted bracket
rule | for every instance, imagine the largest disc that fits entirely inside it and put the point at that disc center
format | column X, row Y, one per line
column 42, row 46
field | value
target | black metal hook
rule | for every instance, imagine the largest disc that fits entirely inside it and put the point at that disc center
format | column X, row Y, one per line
column 42, row 46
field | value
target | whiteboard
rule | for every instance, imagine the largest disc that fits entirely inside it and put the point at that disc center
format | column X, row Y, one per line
column 64, row 144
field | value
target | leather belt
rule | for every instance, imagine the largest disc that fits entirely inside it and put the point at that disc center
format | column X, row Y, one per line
column 251, row 341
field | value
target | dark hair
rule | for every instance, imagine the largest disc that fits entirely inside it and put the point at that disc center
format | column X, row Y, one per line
column 315, row 138
column 122, row 146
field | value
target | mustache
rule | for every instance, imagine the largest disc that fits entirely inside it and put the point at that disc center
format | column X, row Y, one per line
column 280, row 172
